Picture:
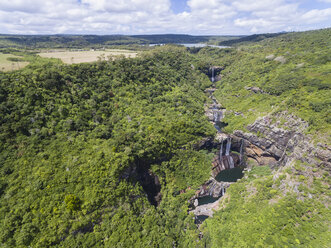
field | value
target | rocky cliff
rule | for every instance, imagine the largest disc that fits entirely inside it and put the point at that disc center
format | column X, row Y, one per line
column 280, row 139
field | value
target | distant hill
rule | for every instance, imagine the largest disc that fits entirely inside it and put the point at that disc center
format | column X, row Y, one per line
column 172, row 38
column 249, row 39
column 75, row 41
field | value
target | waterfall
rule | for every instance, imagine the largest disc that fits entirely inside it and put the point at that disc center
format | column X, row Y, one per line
column 221, row 151
column 228, row 147
column 231, row 163
column 241, row 150
column 227, row 153
column 223, row 191
column 220, row 113
column 212, row 189
column 212, row 74
column 215, row 116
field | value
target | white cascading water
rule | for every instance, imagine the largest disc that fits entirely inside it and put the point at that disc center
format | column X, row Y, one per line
column 212, row 74
column 220, row 115
column 231, row 162
column 241, row 150
column 215, row 116
column 223, row 191
column 211, row 190
column 221, row 150
column 227, row 154
column 228, row 147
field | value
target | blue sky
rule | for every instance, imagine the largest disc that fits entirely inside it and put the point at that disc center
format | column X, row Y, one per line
column 197, row 17
column 179, row 6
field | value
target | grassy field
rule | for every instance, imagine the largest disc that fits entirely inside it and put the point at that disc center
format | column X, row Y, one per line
column 7, row 65
column 74, row 57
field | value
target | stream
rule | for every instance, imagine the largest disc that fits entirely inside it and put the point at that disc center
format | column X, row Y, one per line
column 226, row 167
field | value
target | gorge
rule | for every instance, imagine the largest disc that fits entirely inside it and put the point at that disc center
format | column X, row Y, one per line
column 177, row 147
column 266, row 144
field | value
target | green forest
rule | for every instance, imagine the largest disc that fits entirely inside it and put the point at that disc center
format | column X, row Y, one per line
column 108, row 154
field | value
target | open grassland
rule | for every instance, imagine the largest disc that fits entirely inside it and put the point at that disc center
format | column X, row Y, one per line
column 75, row 57
column 8, row 65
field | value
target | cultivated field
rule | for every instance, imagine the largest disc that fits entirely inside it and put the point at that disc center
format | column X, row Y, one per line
column 7, row 65
column 74, row 57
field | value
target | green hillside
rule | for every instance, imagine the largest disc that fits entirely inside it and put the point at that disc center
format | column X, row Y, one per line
column 289, row 74
column 292, row 71
column 109, row 154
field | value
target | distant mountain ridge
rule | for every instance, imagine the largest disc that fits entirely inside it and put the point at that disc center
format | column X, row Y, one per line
column 74, row 41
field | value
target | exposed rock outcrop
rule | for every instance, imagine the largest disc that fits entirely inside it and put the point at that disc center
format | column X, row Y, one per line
column 211, row 188
column 270, row 57
column 280, row 59
column 225, row 163
column 206, row 209
column 255, row 89
column 271, row 142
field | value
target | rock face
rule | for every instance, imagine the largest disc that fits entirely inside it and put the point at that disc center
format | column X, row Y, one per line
column 225, row 163
column 206, row 209
column 211, row 188
column 271, row 142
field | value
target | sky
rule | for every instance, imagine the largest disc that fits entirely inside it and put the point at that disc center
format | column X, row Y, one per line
column 195, row 17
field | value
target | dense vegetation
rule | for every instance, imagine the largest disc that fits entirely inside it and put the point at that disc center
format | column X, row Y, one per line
column 292, row 73
column 69, row 133
column 263, row 210
column 78, row 142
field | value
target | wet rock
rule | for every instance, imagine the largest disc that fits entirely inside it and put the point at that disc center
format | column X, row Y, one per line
column 211, row 188
column 206, row 209
column 224, row 163
column 221, row 137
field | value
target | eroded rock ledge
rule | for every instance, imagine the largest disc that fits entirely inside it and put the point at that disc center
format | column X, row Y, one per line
column 271, row 142
column 212, row 189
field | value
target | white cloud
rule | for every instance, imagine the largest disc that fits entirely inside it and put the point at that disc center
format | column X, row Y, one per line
column 256, row 5
column 316, row 16
column 279, row 15
column 156, row 6
column 145, row 16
